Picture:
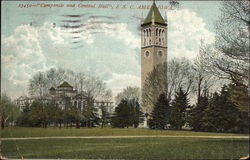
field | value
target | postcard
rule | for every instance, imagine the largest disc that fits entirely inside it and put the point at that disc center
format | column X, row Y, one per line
column 150, row 79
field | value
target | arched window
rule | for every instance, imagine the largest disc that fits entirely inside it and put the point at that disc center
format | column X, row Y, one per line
column 156, row 36
column 163, row 38
column 144, row 37
column 159, row 37
column 149, row 36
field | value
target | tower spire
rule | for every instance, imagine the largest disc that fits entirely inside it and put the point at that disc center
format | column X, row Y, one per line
column 154, row 15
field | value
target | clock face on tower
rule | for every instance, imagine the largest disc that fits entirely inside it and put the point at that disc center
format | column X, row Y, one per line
column 160, row 54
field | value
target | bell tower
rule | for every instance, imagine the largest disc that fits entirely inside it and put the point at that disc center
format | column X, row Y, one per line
column 153, row 43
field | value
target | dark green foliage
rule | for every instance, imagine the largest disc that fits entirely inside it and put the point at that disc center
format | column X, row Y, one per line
column 222, row 115
column 105, row 117
column 159, row 116
column 41, row 115
column 197, row 112
column 218, row 114
column 239, row 96
column 138, row 114
column 123, row 114
column 178, row 110
column 127, row 113
column 90, row 118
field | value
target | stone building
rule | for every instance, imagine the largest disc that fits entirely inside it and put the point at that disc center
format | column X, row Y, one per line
column 153, row 44
column 64, row 96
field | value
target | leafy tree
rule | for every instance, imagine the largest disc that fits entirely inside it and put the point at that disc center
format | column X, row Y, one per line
column 59, row 117
column 39, row 114
column 159, row 116
column 8, row 111
column 24, row 117
column 178, row 109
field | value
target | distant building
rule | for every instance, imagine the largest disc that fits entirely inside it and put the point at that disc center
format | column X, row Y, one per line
column 65, row 96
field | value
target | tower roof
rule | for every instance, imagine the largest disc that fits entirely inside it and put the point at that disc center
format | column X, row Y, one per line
column 65, row 84
column 154, row 14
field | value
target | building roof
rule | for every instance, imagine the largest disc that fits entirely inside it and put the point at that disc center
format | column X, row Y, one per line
column 65, row 85
column 154, row 14
column 52, row 89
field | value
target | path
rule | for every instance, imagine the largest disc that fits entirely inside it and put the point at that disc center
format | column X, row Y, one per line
column 106, row 137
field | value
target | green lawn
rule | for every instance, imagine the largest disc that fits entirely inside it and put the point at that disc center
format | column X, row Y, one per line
column 128, row 148
column 41, row 132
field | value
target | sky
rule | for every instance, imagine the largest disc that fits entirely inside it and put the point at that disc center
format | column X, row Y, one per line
column 107, row 43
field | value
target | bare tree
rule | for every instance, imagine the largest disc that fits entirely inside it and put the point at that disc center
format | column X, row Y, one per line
column 128, row 93
column 167, row 79
column 154, row 85
column 229, row 59
column 38, row 85
column 203, row 80
column 93, row 86
column 180, row 74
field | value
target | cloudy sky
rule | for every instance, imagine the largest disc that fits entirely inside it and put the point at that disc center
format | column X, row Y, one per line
column 105, row 43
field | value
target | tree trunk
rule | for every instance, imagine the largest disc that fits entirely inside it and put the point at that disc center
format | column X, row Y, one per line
column 77, row 124
column 2, row 123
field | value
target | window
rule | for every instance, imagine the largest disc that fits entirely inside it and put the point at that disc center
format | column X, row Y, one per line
column 160, row 53
column 146, row 54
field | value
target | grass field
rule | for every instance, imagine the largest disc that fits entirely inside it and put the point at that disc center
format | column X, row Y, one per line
column 41, row 132
column 121, row 148
column 128, row 148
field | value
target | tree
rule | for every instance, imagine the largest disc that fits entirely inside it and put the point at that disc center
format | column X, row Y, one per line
column 222, row 115
column 137, row 114
column 104, row 116
column 38, row 85
column 90, row 117
column 39, row 114
column 229, row 57
column 180, row 74
column 178, row 109
column 24, row 117
column 128, row 93
column 124, row 114
column 8, row 111
column 159, row 116
column 239, row 96
column 198, row 111
column 94, row 87
column 154, row 85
